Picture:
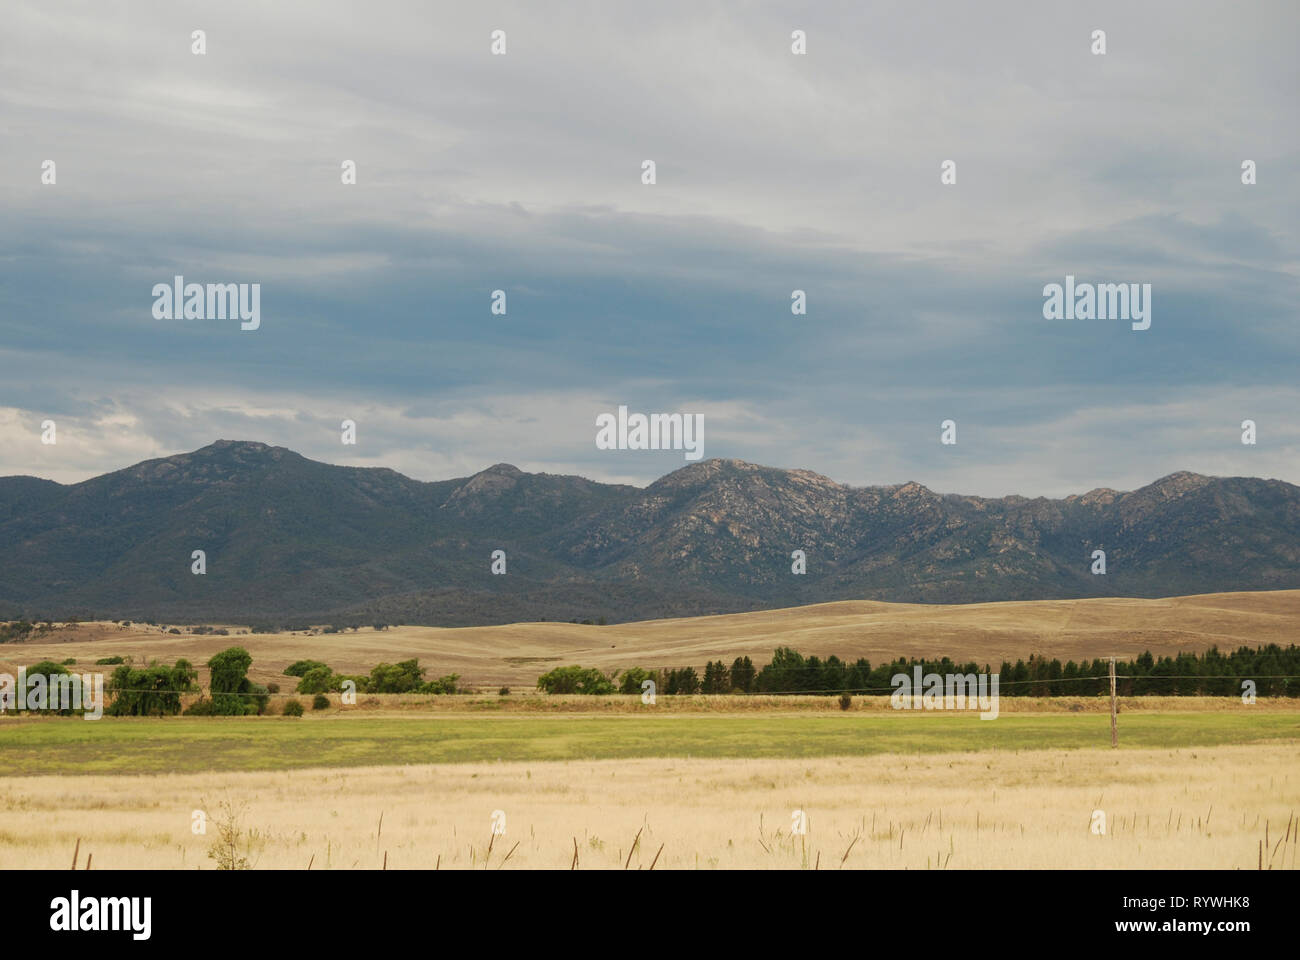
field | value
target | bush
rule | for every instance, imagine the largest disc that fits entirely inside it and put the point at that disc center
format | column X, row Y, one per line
column 575, row 679
column 293, row 708
column 503, row 692
column 109, row 661
column 445, row 684
column 154, row 691
column 405, row 676
column 272, row 688
column 318, row 679
column 299, row 668
column 70, row 662
column 202, row 707
column 233, row 695
column 48, row 670
column 846, row 701
column 320, row 702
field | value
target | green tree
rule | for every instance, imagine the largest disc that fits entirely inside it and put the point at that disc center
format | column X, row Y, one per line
column 743, row 674
column 575, row 679
column 232, row 693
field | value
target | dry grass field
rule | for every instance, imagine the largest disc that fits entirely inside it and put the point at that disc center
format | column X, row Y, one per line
column 515, row 654
column 1219, row 807
column 706, row 781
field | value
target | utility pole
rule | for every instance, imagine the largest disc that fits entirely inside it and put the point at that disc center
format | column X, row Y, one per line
column 1114, row 729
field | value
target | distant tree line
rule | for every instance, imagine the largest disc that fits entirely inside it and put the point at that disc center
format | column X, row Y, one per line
column 1275, row 671
column 17, row 631
column 405, row 676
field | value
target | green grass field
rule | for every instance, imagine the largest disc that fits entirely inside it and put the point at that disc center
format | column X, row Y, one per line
column 192, row 744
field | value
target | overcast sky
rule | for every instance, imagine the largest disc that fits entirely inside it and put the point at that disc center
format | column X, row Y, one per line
column 775, row 172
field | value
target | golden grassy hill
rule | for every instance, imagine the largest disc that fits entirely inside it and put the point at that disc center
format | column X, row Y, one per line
column 516, row 653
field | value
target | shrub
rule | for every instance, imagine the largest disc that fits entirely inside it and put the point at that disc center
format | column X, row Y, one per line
column 48, row 670
column 232, row 841
column 445, row 684
column 405, row 676
column 319, row 679
column 232, row 693
column 272, row 688
column 300, row 667
column 70, row 662
column 154, row 691
column 293, row 708
column 846, row 701
column 109, row 661
column 575, row 679
column 320, row 702
column 503, row 692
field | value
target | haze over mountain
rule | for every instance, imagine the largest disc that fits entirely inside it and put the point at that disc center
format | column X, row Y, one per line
column 291, row 540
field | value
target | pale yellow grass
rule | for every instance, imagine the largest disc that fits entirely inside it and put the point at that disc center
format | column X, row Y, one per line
column 515, row 654
column 1196, row 808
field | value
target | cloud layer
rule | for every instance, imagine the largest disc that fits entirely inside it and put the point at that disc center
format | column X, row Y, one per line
column 775, row 172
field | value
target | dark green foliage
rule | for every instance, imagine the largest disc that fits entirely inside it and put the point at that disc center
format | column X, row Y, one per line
column 320, row 702
column 743, row 674
column 717, row 679
column 319, row 679
column 299, row 668
column 442, row 685
column 47, row 670
column 109, row 661
column 232, row 693
column 631, row 680
column 293, row 708
column 405, row 676
column 683, row 681
column 575, row 679
column 1275, row 671
column 154, row 691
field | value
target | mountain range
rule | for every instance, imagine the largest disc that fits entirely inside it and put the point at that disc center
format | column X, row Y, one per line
column 290, row 541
